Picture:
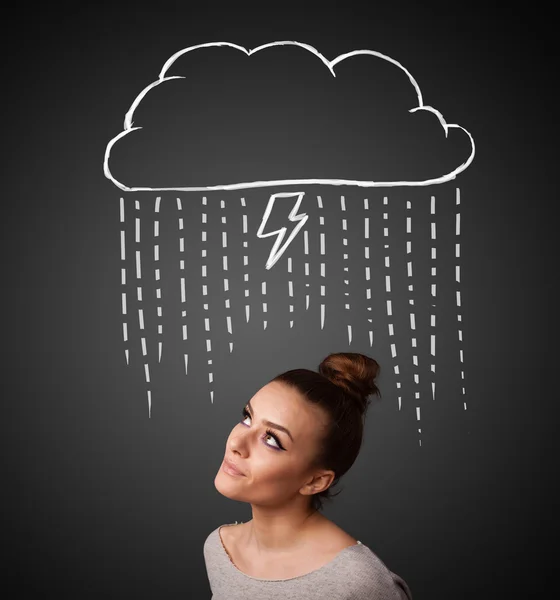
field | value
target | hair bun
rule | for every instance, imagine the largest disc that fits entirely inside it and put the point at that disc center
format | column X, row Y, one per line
column 354, row 373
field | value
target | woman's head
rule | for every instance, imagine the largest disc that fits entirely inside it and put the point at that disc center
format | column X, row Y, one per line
column 324, row 415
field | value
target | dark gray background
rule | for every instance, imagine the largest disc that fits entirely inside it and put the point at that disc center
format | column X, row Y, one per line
column 101, row 501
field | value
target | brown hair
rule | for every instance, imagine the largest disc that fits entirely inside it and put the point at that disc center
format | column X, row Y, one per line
column 341, row 388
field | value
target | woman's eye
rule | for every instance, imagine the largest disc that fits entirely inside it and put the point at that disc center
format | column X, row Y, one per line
column 246, row 416
column 276, row 445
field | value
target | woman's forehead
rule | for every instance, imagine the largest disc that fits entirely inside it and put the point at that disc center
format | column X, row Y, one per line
column 276, row 401
column 277, row 396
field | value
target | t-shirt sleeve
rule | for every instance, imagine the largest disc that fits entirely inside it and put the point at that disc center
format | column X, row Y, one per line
column 376, row 585
column 402, row 588
column 370, row 579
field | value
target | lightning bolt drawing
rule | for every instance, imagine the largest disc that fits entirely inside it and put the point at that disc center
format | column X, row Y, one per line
column 301, row 219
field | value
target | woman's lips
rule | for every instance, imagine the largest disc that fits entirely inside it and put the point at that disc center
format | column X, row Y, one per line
column 231, row 469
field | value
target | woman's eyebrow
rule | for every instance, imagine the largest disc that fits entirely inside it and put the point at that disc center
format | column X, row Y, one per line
column 270, row 423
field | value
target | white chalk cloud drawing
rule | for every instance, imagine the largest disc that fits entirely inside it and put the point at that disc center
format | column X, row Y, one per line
column 201, row 169
column 330, row 65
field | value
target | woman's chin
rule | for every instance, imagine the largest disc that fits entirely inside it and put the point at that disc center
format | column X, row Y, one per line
column 222, row 483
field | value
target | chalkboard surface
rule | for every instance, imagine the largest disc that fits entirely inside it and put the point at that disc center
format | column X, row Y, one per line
column 200, row 200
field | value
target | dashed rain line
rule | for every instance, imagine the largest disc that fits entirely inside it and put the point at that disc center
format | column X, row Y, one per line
column 141, row 310
column 263, row 292
column 157, row 276
column 389, row 302
column 458, row 280
column 367, row 269
column 306, row 265
column 345, row 258
column 322, row 250
column 226, row 282
column 290, row 288
column 181, row 224
column 412, row 314
column 123, row 281
column 205, row 305
column 433, row 291
column 418, row 419
column 245, row 260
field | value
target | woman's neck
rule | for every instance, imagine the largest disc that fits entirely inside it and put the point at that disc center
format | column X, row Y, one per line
column 276, row 534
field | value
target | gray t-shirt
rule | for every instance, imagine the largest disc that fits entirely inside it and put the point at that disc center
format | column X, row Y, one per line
column 355, row 573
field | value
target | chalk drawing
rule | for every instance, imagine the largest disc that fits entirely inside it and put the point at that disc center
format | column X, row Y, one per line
column 313, row 238
column 162, row 79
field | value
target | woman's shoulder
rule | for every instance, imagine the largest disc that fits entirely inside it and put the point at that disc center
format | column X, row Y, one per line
column 230, row 529
column 226, row 532
column 333, row 535
column 219, row 537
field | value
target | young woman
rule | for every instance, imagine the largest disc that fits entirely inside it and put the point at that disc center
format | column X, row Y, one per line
column 299, row 435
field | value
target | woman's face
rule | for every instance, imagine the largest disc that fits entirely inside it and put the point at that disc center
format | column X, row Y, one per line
column 275, row 464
